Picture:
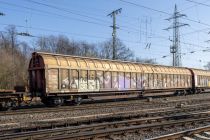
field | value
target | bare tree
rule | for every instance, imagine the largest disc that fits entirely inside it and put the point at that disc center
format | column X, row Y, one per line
column 45, row 44
column 149, row 61
column 61, row 44
column 207, row 66
column 14, row 59
column 86, row 49
column 122, row 52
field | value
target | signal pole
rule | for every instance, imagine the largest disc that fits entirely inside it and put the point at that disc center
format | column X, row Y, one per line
column 175, row 48
column 114, row 27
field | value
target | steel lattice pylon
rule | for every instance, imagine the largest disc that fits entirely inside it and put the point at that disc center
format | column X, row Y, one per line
column 175, row 49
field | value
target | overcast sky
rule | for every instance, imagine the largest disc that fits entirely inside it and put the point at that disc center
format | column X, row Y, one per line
column 141, row 22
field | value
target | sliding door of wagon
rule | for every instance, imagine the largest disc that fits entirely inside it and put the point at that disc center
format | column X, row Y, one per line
column 37, row 82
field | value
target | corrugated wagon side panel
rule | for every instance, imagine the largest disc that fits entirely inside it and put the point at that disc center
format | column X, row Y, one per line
column 53, row 79
column 151, row 81
column 115, row 83
column 133, row 80
column 64, row 78
column 168, row 81
column 107, row 80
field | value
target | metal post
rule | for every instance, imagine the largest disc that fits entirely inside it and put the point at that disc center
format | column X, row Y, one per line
column 175, row 49
column 114, row 27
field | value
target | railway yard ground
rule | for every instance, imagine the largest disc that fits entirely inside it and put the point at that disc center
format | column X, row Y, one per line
column 179, row 117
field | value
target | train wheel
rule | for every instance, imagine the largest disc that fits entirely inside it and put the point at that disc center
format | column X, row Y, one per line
column 177, row 93
column 141, row 95
column 6, row 106
column 198, row 91
column 184, row 92
column 78, row 100
column 45, row 101
column 52, row 102
column 57, row 101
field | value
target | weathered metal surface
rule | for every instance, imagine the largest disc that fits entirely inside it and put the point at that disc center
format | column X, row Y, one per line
column 75, row 62
column 65, row 73
column 6, row 91
column 202, row 78
column 53, row 79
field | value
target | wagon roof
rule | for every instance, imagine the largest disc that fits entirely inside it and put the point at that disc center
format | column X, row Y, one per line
column 77, row 62
column 201, row 72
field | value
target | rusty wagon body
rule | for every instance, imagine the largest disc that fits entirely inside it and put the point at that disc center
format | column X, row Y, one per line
column 58, row 77
column 201, row 79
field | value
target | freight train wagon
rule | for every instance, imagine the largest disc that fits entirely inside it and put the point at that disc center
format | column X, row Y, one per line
column 201, row 80
column 57, row 78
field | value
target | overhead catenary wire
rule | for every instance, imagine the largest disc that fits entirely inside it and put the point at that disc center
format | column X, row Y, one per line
column 192, row 6
column 41, row 11
column 66, row 10
column 157, row 58
column 91, row 36
column 190, row 44
column 100, row 23
column 76, row 13
column 72, row 12
column 68, row 33
column 199, row 3
column 162, row 12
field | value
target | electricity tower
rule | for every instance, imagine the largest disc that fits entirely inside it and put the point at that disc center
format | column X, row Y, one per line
column 114, row 27
column 175, row 49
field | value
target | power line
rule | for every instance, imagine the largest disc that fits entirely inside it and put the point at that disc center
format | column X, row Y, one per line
column 182, row 42
column 65, row 10
column 161, row 57
column 145, row 7
column 75, row 13
column 196, row 31
column 68, row 33
column 51, row 13
column 199, row 3
column 192, row 6
column 107, row 26
column 29, row 35
column 73, row 18
column 163, row 12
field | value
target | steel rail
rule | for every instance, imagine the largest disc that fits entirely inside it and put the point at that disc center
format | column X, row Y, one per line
column 182, row 133
column 94, row 106
column 58, row 122
column 125, row 125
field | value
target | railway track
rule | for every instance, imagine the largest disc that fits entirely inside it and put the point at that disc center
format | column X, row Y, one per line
column 191, row 134
column 85, row 119
column 103, row 105
column 107, row 129
column 44, row 125
column 120, row 114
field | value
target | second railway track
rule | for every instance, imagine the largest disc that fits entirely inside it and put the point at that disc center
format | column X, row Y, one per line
column 166, row 113
column 104, row 105
column 105, row 129
column 97, row 118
